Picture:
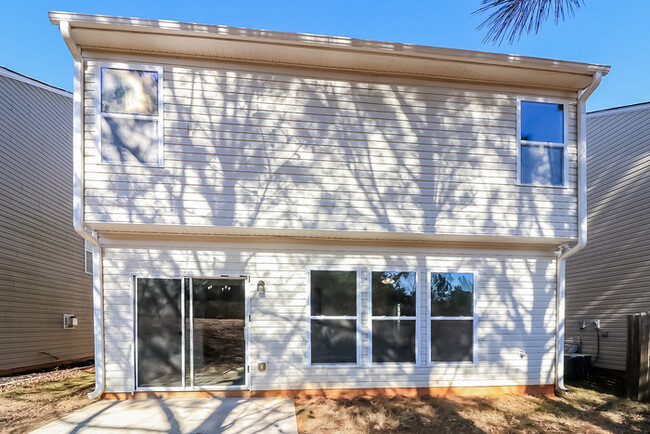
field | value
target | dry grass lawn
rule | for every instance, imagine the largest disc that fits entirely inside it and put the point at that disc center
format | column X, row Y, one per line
column 33, row 402
column 591, row 407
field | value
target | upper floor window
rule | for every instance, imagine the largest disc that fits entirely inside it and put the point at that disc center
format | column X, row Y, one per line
column 130, row 115
column 542, row 143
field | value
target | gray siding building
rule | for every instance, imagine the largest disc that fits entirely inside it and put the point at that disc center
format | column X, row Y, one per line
column 42, row 270
column 609, row 278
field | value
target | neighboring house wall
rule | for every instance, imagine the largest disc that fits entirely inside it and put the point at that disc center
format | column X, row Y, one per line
column 515, row 300
column 288, row 149
column 42, row 272
column 609, row 278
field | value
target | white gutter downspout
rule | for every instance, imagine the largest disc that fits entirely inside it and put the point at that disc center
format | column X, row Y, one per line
column 565, row 251
column 78, row 209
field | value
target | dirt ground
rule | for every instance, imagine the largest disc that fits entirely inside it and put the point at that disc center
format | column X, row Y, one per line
column 30, row 401
column 591, row 407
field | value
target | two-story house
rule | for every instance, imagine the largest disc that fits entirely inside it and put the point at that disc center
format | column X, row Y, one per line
column 275, row 213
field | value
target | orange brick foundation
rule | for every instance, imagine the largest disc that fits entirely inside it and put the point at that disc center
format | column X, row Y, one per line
column 542, row 389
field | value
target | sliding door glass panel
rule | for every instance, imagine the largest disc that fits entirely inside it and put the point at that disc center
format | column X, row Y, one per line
column 159, row 333
column 219, row 308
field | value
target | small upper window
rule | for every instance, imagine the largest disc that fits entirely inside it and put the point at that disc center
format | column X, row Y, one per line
column 129, row 116
column 88, row 257
column 542, row 145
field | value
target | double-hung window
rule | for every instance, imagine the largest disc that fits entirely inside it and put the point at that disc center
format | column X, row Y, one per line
column 394, row 311
column 129, row 109
column 333, row 320
column 452, row 321
column 542, row 143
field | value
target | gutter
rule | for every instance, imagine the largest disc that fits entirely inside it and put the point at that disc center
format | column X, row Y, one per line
column 78, row 209
column 565, row 251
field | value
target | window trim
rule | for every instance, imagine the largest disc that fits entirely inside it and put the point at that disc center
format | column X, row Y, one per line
column 99, row 115
column 564, row 145
column 474, row 317
column 309, row 317
column 417, row 317
column 88, row 248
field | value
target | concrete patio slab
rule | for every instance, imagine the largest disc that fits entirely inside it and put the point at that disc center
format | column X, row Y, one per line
column 180, row 415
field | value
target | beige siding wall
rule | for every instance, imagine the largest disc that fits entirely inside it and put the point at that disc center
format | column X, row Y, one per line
column 609, row 278
column 41, row 257
column 515, row 298
column 253, row 147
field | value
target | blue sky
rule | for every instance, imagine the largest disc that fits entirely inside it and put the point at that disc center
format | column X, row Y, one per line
column 613, row 33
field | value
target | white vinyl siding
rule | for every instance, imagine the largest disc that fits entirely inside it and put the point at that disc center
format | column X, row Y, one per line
column 285, row 149
column 515, row 310
column 609, row 278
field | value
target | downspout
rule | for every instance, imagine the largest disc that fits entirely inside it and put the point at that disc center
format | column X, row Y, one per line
column 565, row 251
column 78, row 208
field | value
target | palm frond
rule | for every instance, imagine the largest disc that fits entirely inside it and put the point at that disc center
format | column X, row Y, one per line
column 509, row 19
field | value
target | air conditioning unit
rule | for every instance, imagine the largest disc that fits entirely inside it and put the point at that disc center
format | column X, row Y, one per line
column 69, row 321
column 577, row 366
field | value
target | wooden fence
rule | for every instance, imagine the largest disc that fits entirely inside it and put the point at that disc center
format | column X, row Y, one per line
column 637, row 383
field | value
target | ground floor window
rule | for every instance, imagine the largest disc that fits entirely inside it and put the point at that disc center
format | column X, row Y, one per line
column 451, row 321
column 333, row 323
column 394, row 309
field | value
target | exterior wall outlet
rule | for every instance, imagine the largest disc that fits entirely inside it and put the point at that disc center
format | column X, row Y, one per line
column 69, row 321
column 597, row 323
column 261, row 367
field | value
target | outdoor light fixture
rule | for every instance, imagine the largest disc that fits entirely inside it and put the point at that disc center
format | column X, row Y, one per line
column 261, row 287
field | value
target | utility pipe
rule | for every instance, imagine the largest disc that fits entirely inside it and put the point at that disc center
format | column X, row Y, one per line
column 565, row 251
column 78, row 209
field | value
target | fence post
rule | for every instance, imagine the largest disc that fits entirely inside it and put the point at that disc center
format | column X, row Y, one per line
column 644, row 369
column 637, row 383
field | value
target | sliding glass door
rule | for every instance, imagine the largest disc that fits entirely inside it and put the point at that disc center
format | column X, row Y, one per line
column 190, row 333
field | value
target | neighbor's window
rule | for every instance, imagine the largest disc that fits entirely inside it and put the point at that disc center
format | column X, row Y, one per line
column 130, row 121
column 88, row 257
column 394, row 312
column 333, row 317
column 451, row 317
column 542, row 149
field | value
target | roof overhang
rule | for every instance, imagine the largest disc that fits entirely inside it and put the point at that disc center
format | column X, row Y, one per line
column 232, row 44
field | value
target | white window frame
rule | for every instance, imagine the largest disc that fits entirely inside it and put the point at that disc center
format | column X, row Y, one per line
column 474, row 317
column 133, row 277
column 417, row 317
column 99, row 115
column 564, row 145
column 88, row 248
column 309, row 317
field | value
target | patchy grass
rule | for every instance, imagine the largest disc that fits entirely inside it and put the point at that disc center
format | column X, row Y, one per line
column 29, row 405
column 590, row 407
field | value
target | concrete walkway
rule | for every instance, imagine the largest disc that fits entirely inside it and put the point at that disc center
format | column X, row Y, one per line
column 180, row 415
